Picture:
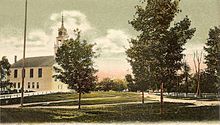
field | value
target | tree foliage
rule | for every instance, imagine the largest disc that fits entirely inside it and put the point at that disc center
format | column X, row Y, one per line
column 206, row 84
column 156, row 54
column 119, row 85
column 186, row 76
column 108, row 84
column 4, row 72
column 131, row 85
column 105, row 85
column 212, row 59
column 158, row 48
column 75, row 65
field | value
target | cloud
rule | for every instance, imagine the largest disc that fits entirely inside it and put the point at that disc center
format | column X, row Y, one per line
column 113, row 43
column 112, row 61
column 72, row 20
column 41, row 42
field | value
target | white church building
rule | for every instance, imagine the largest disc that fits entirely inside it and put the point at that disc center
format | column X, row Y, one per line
column 39, row 71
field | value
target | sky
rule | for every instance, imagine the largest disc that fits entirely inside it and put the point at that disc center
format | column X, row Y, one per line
column 104, row 22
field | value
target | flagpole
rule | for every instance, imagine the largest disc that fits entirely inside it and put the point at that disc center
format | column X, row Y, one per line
column 23, row 65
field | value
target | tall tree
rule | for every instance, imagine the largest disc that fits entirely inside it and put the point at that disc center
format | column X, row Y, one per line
column 4, row 72
column 76, row 65
column 156, row 53
column 212, row 59
column 140, row 66
column 197, row 59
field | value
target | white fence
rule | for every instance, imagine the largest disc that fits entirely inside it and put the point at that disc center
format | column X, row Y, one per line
column 18, row 95
column 191, row 95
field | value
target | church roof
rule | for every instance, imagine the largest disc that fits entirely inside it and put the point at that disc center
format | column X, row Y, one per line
column 41, row 61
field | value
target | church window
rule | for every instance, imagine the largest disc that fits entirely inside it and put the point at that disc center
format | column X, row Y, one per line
column 40, row 72
column 15, row 73
column 19, row 85
column 29, row 85
column 15, row 85
column 33, row 85
column 37, row 85
column 31, row 73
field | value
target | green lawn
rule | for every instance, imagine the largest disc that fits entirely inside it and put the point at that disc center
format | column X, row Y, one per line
column 103, row 98
column 95, row 101
column 68, row 96
column 121, row 113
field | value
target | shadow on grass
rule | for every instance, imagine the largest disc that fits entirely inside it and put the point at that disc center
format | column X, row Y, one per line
column 148, row 112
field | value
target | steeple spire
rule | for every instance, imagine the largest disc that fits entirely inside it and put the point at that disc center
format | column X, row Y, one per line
column 62, row 36
column 62, row 21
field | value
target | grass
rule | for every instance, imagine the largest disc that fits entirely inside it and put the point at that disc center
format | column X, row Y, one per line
column 95, row 101
column 148, row 112
column 69, row 96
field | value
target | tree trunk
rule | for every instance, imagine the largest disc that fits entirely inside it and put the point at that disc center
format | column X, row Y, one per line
column 178, row 87
column 161, row 98
column 142, row 97
column 187, row 86
column 198, row 87
column 1, row 87
column 1, row 82
column 79, row 103
column 197, row 68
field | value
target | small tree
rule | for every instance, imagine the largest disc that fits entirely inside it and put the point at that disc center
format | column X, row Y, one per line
column 76, row 65
column 4, row 72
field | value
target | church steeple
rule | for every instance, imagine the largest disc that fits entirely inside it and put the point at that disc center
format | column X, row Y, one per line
column 62, row 30
column 62, row 36
column 62, row 25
